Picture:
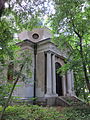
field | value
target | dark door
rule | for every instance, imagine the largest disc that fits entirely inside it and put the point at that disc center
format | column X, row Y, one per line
column 58, row 80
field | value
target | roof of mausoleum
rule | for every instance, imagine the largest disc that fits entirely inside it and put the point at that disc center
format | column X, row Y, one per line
column 36, row 35
column 41, row 37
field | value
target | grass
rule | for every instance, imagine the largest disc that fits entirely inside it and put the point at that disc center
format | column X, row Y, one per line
column 34, row 112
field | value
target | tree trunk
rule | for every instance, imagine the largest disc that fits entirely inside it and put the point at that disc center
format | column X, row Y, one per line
column 84, row 65
column 2, row 2
column 89, row 69
column 8, row 99
column 82, row 57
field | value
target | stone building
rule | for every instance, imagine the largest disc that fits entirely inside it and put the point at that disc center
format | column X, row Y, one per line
column 47, row 58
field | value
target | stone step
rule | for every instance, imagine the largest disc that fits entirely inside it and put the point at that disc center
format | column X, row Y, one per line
column 60, row 101
column 73, row 100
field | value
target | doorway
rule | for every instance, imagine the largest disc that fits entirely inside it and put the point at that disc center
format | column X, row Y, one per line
column 58, row 80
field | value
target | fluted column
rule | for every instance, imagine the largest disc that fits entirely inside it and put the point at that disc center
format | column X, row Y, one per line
column 69, row 83
column 54, row 75
column 49, row 78
column 72, row 78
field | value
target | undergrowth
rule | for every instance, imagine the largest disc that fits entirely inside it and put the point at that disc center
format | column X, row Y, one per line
column 34, row 112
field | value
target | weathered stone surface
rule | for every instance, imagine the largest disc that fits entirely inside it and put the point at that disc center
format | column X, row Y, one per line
column 43, row 33
column 40, row 71
column 25, row 90
column 45, row 46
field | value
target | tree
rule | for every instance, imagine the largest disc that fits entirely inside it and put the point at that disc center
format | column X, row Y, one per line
column 23, row 63
column 18, row 15
column 2, row 2
column 71, row 22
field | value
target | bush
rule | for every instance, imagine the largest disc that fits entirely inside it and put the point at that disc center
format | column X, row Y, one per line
column 4, row 92
column 34, row 112
column 31, row 112
column 78, row 113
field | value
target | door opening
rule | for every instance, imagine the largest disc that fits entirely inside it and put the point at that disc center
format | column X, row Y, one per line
column 58, row 80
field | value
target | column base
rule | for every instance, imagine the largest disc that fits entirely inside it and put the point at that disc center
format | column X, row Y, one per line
column 69, row 94
column 51, row 95
column 55, row 95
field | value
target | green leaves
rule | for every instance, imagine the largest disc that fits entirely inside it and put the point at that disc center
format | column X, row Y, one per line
column 71, row 23
column 4, row 92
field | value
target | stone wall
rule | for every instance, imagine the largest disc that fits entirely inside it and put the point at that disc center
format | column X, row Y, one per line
column 24, row 89
column 40, row 74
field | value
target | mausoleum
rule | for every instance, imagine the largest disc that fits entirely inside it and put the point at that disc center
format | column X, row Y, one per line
column 47, row 58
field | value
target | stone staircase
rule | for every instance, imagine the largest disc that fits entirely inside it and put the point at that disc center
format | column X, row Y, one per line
column 60, row 101
column 69, row 101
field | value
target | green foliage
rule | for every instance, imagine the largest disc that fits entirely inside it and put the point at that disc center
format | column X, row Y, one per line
column 5, row 37
column 71, row 33
column 4, row 92
column 31, row 113
column 78, row 113
column 18, row 15
column 24, row 57
column 34, row 112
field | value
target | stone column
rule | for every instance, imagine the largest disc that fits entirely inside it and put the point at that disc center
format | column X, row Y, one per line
column 64, row 85
column 54, row 75
column 69, row 83
column 49, row 78
column 72, row 78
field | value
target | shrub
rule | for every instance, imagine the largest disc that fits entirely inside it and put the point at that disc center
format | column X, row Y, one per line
column 31, row 112
column 4, row 92
column 34, row 112
column 78, row 113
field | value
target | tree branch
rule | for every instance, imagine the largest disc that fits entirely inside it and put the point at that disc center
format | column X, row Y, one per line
column 8, row 99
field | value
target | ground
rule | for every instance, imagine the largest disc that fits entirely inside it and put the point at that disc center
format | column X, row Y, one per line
column 34, row 112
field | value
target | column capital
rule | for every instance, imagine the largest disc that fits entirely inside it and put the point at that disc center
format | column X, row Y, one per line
column 68, row 71
column 54, row 55
column 49, row 51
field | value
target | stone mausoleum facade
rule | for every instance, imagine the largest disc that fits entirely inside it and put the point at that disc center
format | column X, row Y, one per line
column 46, row 59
